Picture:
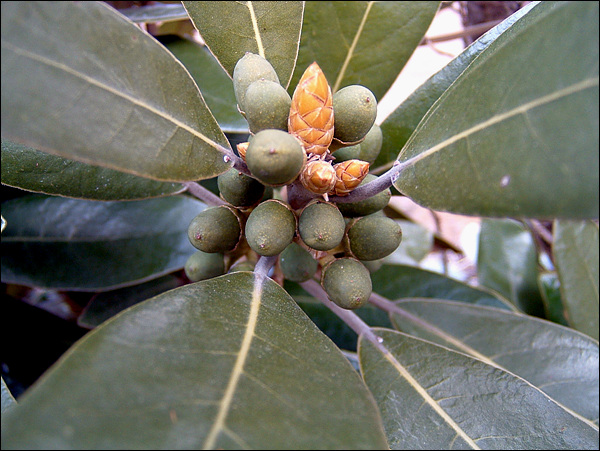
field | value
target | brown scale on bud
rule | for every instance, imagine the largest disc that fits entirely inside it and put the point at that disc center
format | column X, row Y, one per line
column 318, row 176
column 311, row 113
column 349, row 174
column 242, row 148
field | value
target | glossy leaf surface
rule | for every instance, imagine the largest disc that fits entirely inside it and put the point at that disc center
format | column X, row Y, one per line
column 516, row 134
column 462, row 403
column 549, row 285
column 226, row 363
column 533, row 349
column 269, row 29
column 575, row 252
column 55, row 242
column 159, row 12
column 7, row 398
column 32, row 170
column 129, row 106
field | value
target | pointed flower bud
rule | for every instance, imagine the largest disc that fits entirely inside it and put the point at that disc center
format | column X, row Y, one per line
column 349, row 174
column 241, row 148
column 318, row 176
column 311, row 113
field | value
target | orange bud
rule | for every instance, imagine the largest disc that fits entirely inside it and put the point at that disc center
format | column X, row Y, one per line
column 349, row 174
column 318, row 176
column 241, row 148
column 311, row 113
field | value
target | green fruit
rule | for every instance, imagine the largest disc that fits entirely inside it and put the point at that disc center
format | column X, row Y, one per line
column 201, row 265
column 347, row 283
column 297, row 264
column 321, row 226
column 374, row 237
column 215, row 229
column 267, row 106
column 250, row 68
column 242, row 266
column 371, row 146
column 373, row 265
column 275, row 157
column 270, row 228
column 354, row 110
column 367, row 206
column 348, row 153
column 239, row 189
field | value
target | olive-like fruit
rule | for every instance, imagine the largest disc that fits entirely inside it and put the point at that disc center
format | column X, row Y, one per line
column 373, row 265
column 371, row 145
column 297, row 264
column 202, row 265
column 270, row 228
column 367, row 206
column 355, row 111
column 242, row 266
column 348, row 153
column 215, row 229
column 239, row 189
column 267, row 106
column 247, row 70
column 374, row 237
column 321, row 225
column 347, row 283
column 275, row 157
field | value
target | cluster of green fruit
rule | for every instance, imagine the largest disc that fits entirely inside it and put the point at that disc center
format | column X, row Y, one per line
column 317, row 142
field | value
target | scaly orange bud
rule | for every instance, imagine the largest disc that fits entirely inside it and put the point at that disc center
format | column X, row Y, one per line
column 311, row 113
column 349, row 174
column 318, row 176
column 241, row 148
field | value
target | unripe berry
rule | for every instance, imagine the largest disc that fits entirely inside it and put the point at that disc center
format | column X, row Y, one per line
column 239, row 189
column 355, row 110
column 250, row 68
column 321, row 226
column 215, row 229
column 347, row 283
column 267, row 106
column 202, row 265
column 297, row 264
column 270, row 228
column 374, row 237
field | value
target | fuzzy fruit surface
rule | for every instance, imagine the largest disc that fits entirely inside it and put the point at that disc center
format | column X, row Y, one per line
column 321, row 226
column 275, row 157
column 202, row 265
column 239, row 189
column 347, row 282
column 355, row 110
column 367, row 206
column 250, row 68
column 267, row 105
column 215, row 229
column 297, row 264
column 270, row 228
column 374, row 237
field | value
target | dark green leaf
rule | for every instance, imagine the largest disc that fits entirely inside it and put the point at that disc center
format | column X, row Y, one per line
column 403, row 121
column 507, row 263
column 365, row 43
column 227, row 363
column 399, row 281
column 55, row 242
column 215, row 85
column 516, row 134
column 549, row 286
column 433, row 398
column 7, row 398
column 575, row 252
column 32, row 170
column 269, row 29
column 110, row 95
column 531, row 348
column 160, row 12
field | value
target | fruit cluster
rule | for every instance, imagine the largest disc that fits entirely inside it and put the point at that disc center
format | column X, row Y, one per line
column 315, row 143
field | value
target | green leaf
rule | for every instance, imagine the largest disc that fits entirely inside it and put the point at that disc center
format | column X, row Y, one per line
column 110, row 96
column 531, row 348
column 400, row 281
column 215, row 85
column 403, row 121
column 62, row 243
column 417, row 242
column 575, row 252
column 433, row 398
column 516, row 134
column 32, row 170
column 155, row 13
column 7, row 398
column 269, row 29
column 507, row 263
column 226, row 363
column 365, row 43
column 549, row 286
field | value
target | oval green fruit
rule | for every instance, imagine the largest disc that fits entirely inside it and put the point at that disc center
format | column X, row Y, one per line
column 297, row 264
column 270, row 228
column 355, row 111
column 215, row 229
column 367, row 206
column 374, row 237
column 239, row 189
column 275, row 157
column 242, row 266
column 202, row 265
column 371, row 145
column 347, row 283
column 250, row 68
column 321, row 226
column 267, row 106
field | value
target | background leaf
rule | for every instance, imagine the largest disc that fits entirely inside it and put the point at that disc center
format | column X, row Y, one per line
column 223, row 363
column 7, row 398
column 366, row 43
column 269, row 29
column 32, row 170
column 517, row 133
column 533, row 349
column 160, row 12
column 129, row 106
column 416, row 244
column 83, row 245
column 461, row 402
column 507, row 263
column 549, row 285
column 575, row 252
column 401, row 281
